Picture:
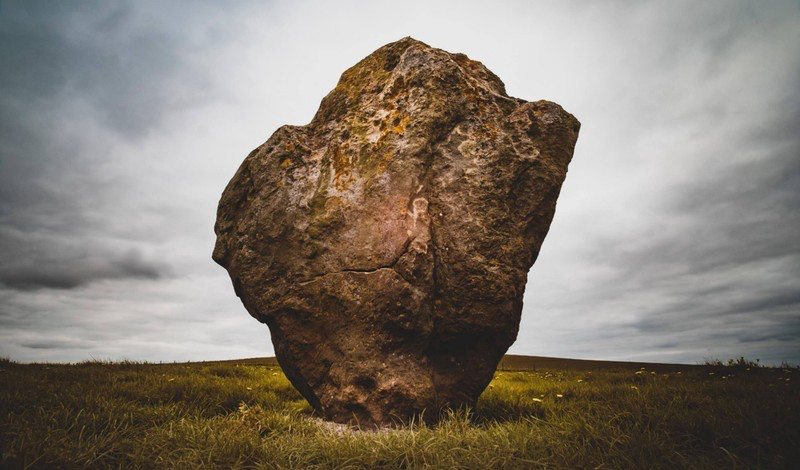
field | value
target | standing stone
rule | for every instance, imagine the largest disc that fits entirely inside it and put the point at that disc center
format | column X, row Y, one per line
column 387, row 243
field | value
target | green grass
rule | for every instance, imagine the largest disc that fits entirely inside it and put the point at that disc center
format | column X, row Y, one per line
column 247, row 415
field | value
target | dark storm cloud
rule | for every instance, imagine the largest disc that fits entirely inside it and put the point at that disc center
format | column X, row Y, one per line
column 64, row 64
column 76, row 269
column 94, row 51
column 93, row 206
column 787, row 331
column 692, row 243
column 50, row 344
column 741, row 218
column 744, row 212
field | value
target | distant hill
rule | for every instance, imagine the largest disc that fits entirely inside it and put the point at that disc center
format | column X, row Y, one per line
column 525, row 363
column 530, row 363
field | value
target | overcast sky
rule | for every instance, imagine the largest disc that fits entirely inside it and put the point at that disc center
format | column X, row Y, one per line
column 676, row 233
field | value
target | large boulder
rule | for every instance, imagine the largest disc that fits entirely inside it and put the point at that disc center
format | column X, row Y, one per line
column 387, row 243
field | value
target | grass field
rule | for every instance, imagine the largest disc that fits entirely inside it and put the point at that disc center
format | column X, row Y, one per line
column 550, row 413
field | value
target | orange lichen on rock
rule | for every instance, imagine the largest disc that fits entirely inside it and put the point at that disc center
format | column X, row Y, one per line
column 400, row 124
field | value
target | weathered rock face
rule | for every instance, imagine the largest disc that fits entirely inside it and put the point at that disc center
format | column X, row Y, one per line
column 387, row 243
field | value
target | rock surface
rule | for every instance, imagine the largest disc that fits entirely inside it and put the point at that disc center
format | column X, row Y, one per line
column 387, row 243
